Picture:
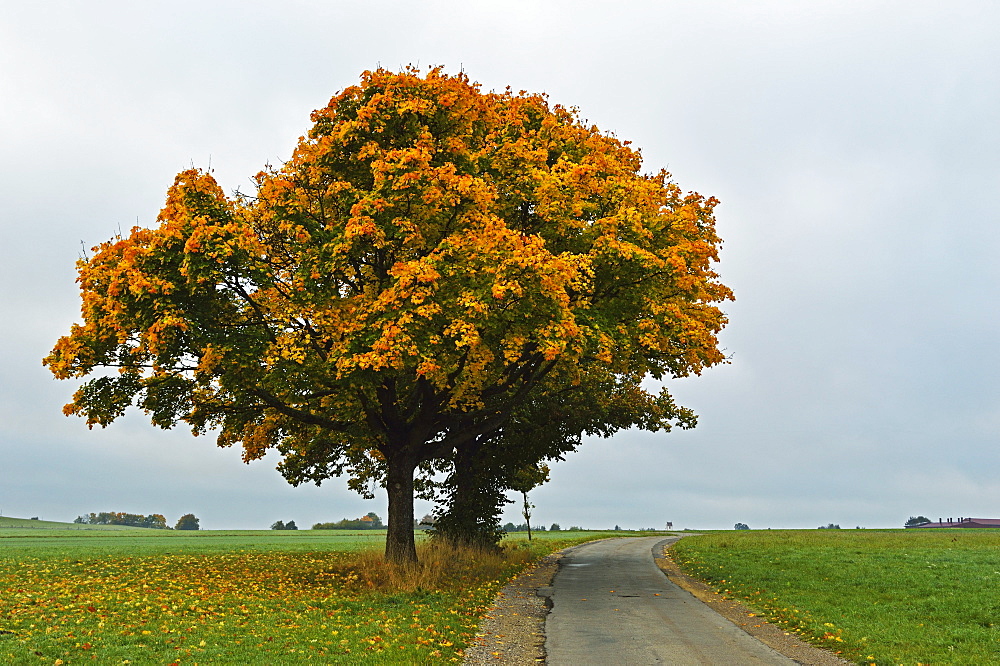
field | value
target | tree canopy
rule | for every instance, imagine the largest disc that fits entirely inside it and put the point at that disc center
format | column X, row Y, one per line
column 188, row 522
column 431, row 264
column 912, row 521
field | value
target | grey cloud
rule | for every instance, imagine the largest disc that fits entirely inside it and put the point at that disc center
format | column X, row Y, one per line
column 852, row 146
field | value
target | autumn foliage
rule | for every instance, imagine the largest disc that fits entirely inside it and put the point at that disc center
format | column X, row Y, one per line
column 431, row 262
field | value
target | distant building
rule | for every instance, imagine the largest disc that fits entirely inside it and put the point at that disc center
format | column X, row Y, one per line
column 962, row 522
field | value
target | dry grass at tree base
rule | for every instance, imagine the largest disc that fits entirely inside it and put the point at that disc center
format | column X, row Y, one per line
column 442, row 567
column 212, row 600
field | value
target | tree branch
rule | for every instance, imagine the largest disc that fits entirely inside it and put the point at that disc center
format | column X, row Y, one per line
column 298, row 414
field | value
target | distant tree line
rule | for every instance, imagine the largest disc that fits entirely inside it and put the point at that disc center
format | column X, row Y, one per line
column 369, row 521
column 279, row 525
column 154, row 521
column 523, row 527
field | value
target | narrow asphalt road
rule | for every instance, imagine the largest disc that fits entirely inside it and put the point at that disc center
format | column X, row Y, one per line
column 612, row 605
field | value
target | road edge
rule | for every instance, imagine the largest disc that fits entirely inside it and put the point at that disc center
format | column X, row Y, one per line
column 769, row 634
column 513, row 631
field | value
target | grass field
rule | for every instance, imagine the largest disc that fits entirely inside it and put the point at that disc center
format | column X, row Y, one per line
column 270, row 597
column 878, row 597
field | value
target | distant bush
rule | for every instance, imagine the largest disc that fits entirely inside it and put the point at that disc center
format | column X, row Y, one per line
column 916, row 520
column 555, row 527
column 187, row 522
column 831, row 526
column 741, row 526
column 280, row 525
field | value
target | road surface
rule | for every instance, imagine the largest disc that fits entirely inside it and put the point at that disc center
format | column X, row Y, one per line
column 612, row 605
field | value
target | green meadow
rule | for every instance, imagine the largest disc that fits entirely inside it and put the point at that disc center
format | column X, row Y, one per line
column 73, row 594
column 876, row 597
column 90, row 594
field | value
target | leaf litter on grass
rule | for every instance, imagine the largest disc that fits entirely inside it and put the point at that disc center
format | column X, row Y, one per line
column 248, row 606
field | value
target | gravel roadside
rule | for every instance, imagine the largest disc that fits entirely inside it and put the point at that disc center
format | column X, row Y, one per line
column 513, row 632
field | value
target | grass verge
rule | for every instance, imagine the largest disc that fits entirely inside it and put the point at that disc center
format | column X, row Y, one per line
column 246, row 599
column 877, row 597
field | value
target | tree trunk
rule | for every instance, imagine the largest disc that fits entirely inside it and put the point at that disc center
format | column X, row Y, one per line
column 400, row 547
column 527, row 515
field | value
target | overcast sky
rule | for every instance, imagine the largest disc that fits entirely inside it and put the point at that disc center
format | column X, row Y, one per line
column 855, row 147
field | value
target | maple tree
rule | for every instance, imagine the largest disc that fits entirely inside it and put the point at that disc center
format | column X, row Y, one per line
column 432, row 265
